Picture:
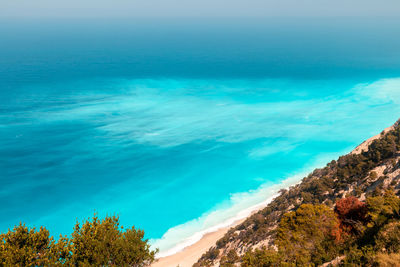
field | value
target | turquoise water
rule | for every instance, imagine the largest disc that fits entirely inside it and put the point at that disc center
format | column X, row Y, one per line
column 179, row 151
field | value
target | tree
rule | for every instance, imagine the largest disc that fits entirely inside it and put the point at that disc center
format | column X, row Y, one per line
column 388, row 238
column 95, row 243
column 27, row 247
column 104, row 243
column 352, row 215
column 261, row 258
column 383, row 208
column 230, row 259
column 307, row 234
column 350, row 208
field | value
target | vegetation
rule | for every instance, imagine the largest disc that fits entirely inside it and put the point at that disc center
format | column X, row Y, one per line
column 260, row 257
column 347, row 212
column 97, row 242
column 307, row 235
column 28, row 247
column 323, row 218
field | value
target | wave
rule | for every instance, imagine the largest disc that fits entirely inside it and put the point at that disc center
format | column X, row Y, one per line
column 239, row 207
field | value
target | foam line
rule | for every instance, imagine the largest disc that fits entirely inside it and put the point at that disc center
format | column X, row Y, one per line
column 242, row 206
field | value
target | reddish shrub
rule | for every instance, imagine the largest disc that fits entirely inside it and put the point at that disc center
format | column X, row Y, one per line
column 350, row 208
column 351, row 213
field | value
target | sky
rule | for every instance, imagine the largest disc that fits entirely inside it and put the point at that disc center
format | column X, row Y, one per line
column 196, row 8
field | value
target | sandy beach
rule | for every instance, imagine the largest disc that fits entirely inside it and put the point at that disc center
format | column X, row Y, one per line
column 189, row 255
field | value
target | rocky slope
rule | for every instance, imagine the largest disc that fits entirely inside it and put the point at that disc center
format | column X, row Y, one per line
column 373, row 166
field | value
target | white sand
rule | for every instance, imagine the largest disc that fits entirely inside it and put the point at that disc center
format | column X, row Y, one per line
column 189, row 255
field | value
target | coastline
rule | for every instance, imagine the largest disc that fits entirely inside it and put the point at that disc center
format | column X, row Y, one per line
column 189, row 255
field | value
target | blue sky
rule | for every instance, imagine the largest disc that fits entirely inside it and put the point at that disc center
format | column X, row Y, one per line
column 197, row 8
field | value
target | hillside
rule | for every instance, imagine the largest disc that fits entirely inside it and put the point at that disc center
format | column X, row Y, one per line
column 368, row 175
column 346, row 214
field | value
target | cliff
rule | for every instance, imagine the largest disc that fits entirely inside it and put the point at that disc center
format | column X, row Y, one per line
column 369, row 170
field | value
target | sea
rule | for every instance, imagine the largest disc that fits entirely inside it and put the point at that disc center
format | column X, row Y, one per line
column 182, row 126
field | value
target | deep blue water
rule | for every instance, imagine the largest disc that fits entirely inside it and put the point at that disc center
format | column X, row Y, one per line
column 177, row 125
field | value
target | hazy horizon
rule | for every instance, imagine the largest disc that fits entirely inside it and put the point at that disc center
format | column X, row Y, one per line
column 199, row 9
column 179, row 115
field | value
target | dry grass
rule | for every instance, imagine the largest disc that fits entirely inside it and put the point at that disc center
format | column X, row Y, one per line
column 388, row 260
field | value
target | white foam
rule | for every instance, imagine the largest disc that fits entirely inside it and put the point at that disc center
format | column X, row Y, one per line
column 190, row 117
column 241, row 206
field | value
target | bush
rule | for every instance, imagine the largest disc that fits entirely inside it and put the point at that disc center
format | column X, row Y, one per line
column 360, row 222
column 387, row 260
column 230, row 259
column 351, row 208
column 383, row 208
column 260, row 258
column 107, row 244
column 307, row 234
column 27, row 247
column 95, row 243
column 388, row 238
column 359, row 256
column 351, row 213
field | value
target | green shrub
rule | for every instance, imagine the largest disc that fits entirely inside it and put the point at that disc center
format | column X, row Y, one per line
column 307, row 234
column 95, row 243
column 261, row 258
column 104, row 243
column 383, row 208
column 388, row 238
column 27, row 247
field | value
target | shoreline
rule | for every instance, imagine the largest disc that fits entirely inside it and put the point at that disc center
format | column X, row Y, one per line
column 228, row 223
column 189, row 255
column 260, row 197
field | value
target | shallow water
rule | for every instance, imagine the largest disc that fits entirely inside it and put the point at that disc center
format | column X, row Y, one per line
column 177, row 154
